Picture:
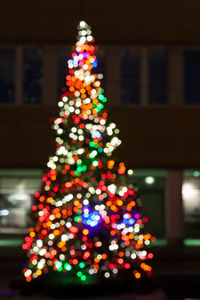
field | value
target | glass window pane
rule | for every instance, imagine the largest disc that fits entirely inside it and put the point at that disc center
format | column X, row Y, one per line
column 15, row 202
column 63, row 56
column 192, row 77
column 7, row 73
column 151, row 187
column 130, row 73
column 157, row 76
column 32, row 76
column 191, row 203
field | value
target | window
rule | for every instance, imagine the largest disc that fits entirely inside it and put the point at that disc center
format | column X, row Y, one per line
column 63, row 56
column 130, row 73
column 192, row 77
column 151, row 188
column 7, row 72
column 16, row 191
column 191, row 203
column 32, row 76
column 157, row 76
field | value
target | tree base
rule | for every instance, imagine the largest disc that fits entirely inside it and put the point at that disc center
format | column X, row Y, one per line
column 51, row 285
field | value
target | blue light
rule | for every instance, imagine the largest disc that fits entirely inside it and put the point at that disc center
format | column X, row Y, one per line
column 131, row 221
column 91, row 219
column 94, row 64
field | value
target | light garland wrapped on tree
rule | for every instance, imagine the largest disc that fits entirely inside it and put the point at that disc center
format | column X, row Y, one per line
column 87, row 222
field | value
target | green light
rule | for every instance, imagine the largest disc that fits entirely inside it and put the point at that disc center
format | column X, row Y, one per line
column 79, row 274
column 100, row 106
column 81, row 265
column 76, row 219
column 101, row 97
column 83, row 277
column 196, row 173
column 84, row 167
column 95, row 163
column 58, row 264
column 67, row 267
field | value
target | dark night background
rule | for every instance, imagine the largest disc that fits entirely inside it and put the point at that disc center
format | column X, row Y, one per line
column 149, row 53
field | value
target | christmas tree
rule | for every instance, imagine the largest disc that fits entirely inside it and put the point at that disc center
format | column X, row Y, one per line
column 87, row 220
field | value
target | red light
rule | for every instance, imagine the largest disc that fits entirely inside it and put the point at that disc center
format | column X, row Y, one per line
column 34, row 207
column 150, row 255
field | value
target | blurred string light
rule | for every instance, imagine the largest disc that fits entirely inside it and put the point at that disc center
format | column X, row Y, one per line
column 149, row 180
column 196, row 173
column 87, row 218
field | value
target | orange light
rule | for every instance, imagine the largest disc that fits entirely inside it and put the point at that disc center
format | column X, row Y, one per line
column 85, row 231
column 76, row 202
column 104, row 256
column 28, row 279
column 96, row 260
column 42, row 198
column 49, row 200
column 137, row 275
column 73, row 229
column 39, row 272
column 119, row 202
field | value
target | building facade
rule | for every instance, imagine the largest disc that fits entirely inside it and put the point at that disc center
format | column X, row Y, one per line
column 149, row 54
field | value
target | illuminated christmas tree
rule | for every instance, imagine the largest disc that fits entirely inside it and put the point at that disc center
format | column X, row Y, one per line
column 87, row 222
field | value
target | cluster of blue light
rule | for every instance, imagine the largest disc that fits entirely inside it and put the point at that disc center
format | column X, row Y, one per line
column 92, row 219
column 128, row 219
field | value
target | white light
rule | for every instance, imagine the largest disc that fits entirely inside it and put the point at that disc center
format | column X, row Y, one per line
column 61, row 256
column 64, row 238
column 40, row 265
column 89, row 38
column 51, row 236
column 82, row 24
column 85, row 67
column 82, row 40
column 188, row 190
column 4, row 212
column 130, row 172
column 149, row 180
column 68, row 224
column 133, row 256
column 112, row 188
column 191, row 197
column 107, row 275
column 42, row 252
column 60, row 131
column 39, row 243
column 60, row 104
